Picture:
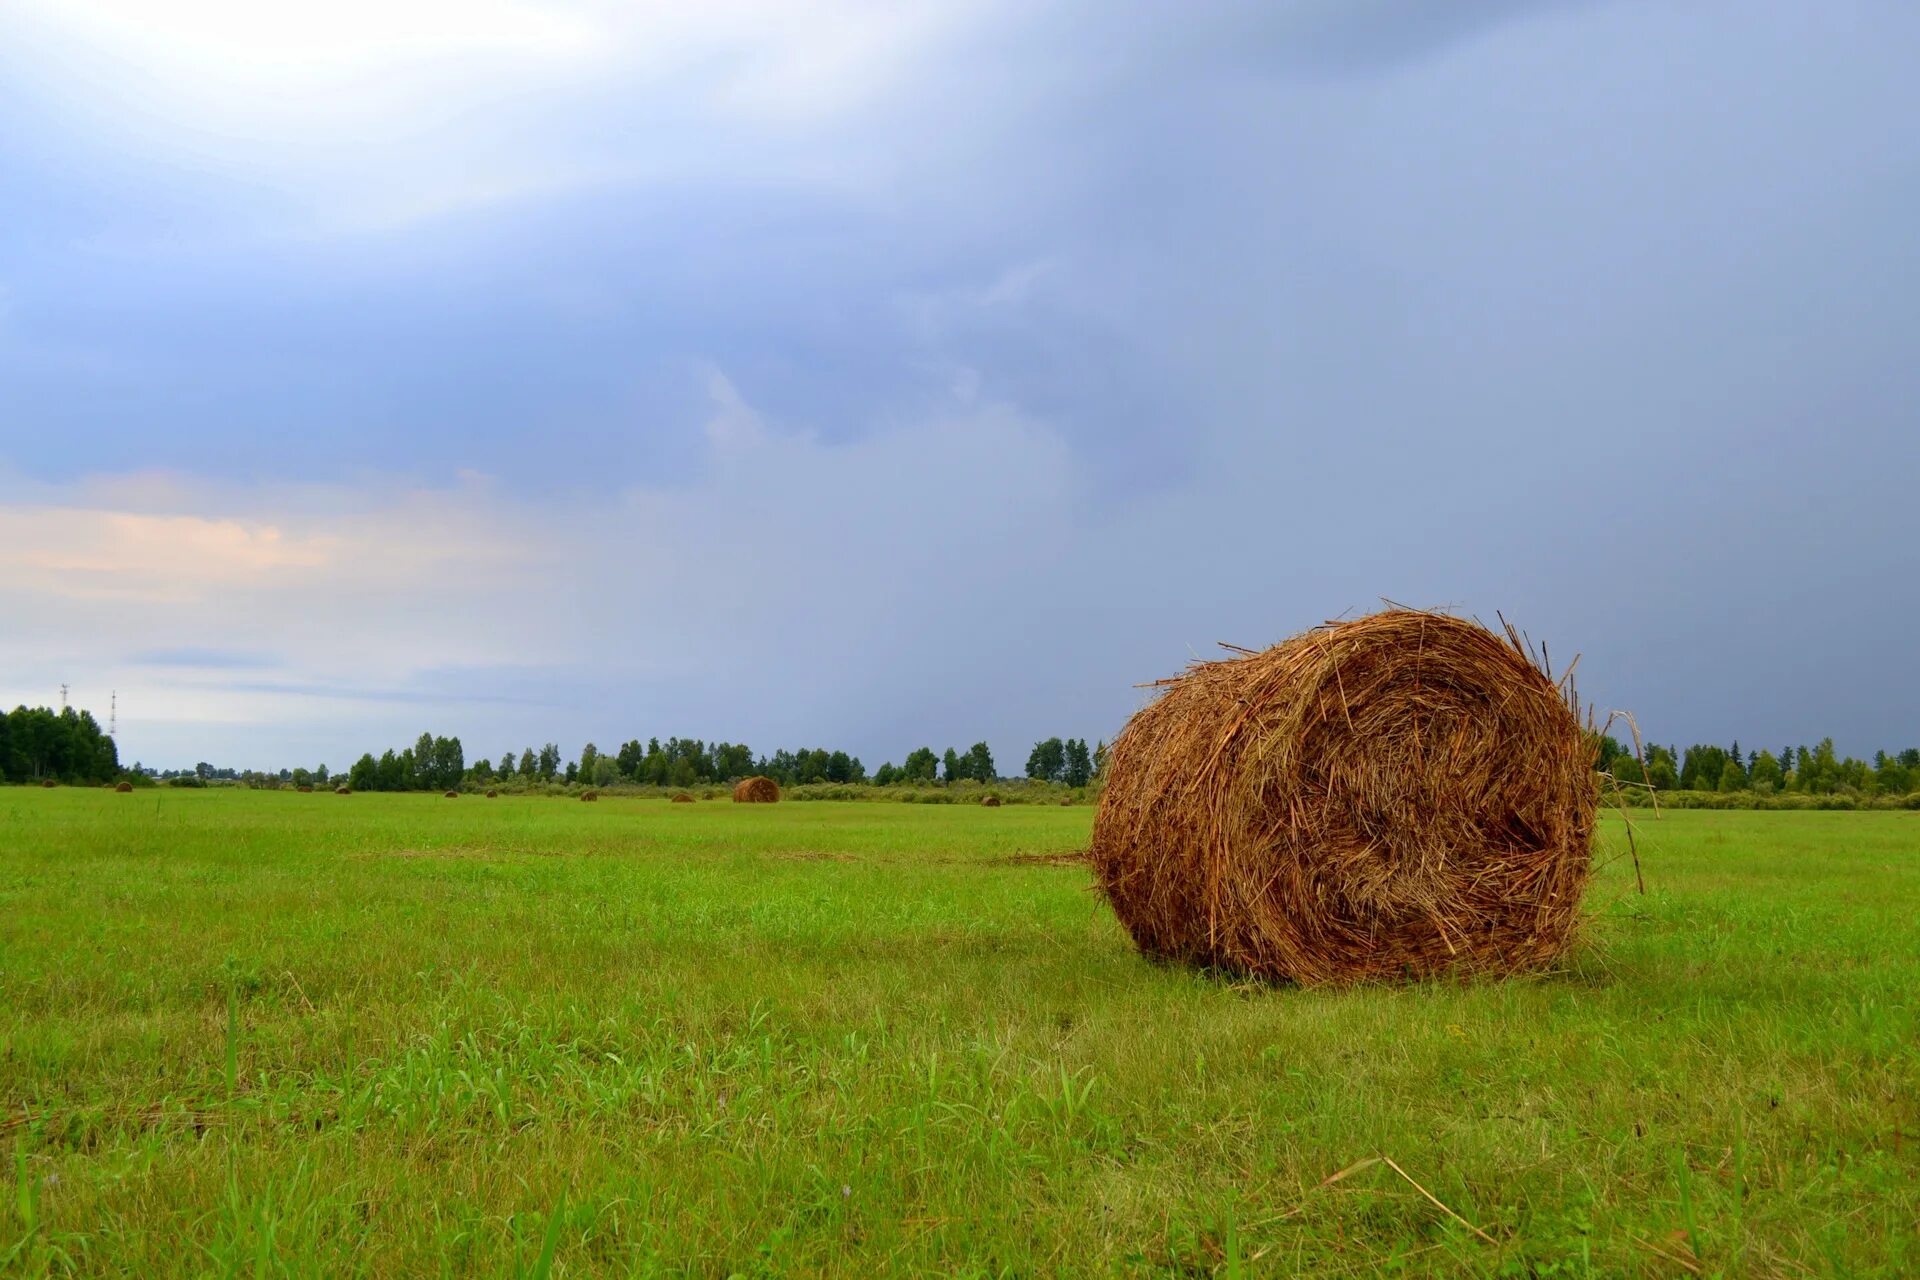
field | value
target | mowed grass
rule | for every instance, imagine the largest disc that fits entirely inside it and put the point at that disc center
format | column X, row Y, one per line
column 269, row 1033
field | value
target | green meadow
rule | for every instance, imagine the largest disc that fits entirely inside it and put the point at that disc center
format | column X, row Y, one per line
column 263, row 1033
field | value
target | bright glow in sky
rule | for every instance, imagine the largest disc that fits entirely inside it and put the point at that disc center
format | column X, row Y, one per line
column 879, row 375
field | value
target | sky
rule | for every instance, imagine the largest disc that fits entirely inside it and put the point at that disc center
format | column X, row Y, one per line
column 877, row 375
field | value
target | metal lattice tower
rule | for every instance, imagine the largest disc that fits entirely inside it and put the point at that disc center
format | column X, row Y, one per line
column 113, row 715
column 63, row 697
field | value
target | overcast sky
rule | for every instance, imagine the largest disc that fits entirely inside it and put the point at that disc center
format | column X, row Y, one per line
column 878, row 375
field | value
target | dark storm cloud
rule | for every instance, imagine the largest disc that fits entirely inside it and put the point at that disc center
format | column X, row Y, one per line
column 949, row 391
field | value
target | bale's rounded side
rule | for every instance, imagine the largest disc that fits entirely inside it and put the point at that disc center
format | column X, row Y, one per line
column 1395, row 796
column 756, row 791
column 682, row 797
column 123, row 787
column 452, row 795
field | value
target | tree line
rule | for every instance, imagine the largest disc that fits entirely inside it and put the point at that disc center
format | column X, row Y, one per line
column 39, row 744
column 435, row 763
column 1804, row 770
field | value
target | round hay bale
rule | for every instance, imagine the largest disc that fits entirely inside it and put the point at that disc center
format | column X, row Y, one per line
column 681, row 797
column 305, row 791
column 343, row 791
column 989, row 802
column 491, row 793
column 123, row 786
column 48, row 782
column 756, row 791
column 1392, row 797
column 452, row 795
column 589, row 795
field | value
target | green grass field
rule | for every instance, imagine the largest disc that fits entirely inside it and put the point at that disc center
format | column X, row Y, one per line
column 265, row 1033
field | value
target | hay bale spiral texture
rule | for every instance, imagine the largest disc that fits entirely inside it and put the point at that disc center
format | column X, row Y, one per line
column 756, row 791
column 1396, row 796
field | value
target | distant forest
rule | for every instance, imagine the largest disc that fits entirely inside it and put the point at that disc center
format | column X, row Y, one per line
column 1795, row 770
column 38, row 744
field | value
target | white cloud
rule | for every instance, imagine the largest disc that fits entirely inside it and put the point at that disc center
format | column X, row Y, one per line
column 750, row 601
column 375, row 115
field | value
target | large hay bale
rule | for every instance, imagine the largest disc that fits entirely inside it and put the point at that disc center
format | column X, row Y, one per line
column 681, row 797
column 343, row 791
column 492, row 793
column 589, row 795
column 1395, row 796
column 305, row 791
column 756, row 791
column 989, row 802
column 48, row 782
column 123, row 786
column 452, row 795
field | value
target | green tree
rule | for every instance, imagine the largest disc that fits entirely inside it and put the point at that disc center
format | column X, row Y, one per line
column 589, row 754
column 1079, row 766
column 529, row 764
column 365, row 774
column 951, row 768
column 979, row 763
column 1732, row 776
column 883, row 776
column 921, row 765
column 1766, row 774
column 1047, row 761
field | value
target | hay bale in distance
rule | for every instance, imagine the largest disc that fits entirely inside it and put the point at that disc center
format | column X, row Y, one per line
column 48, row 782
column 1396, row 796
column 681, row 797
column 343, row 791
column 491, row 793
column 989, row 802
column 305, row 791
column 756, row 791
column 452, row 795
column 123, row 786
column 589, row 795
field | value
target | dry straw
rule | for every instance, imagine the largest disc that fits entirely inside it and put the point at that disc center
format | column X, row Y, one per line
column 756, row 791
column 682, row 797
column 123, row 786
column 453, row 795
column 589, row 795
column 343, row 791
column 990, row 802
column 491, row 793
column 1392, row 797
